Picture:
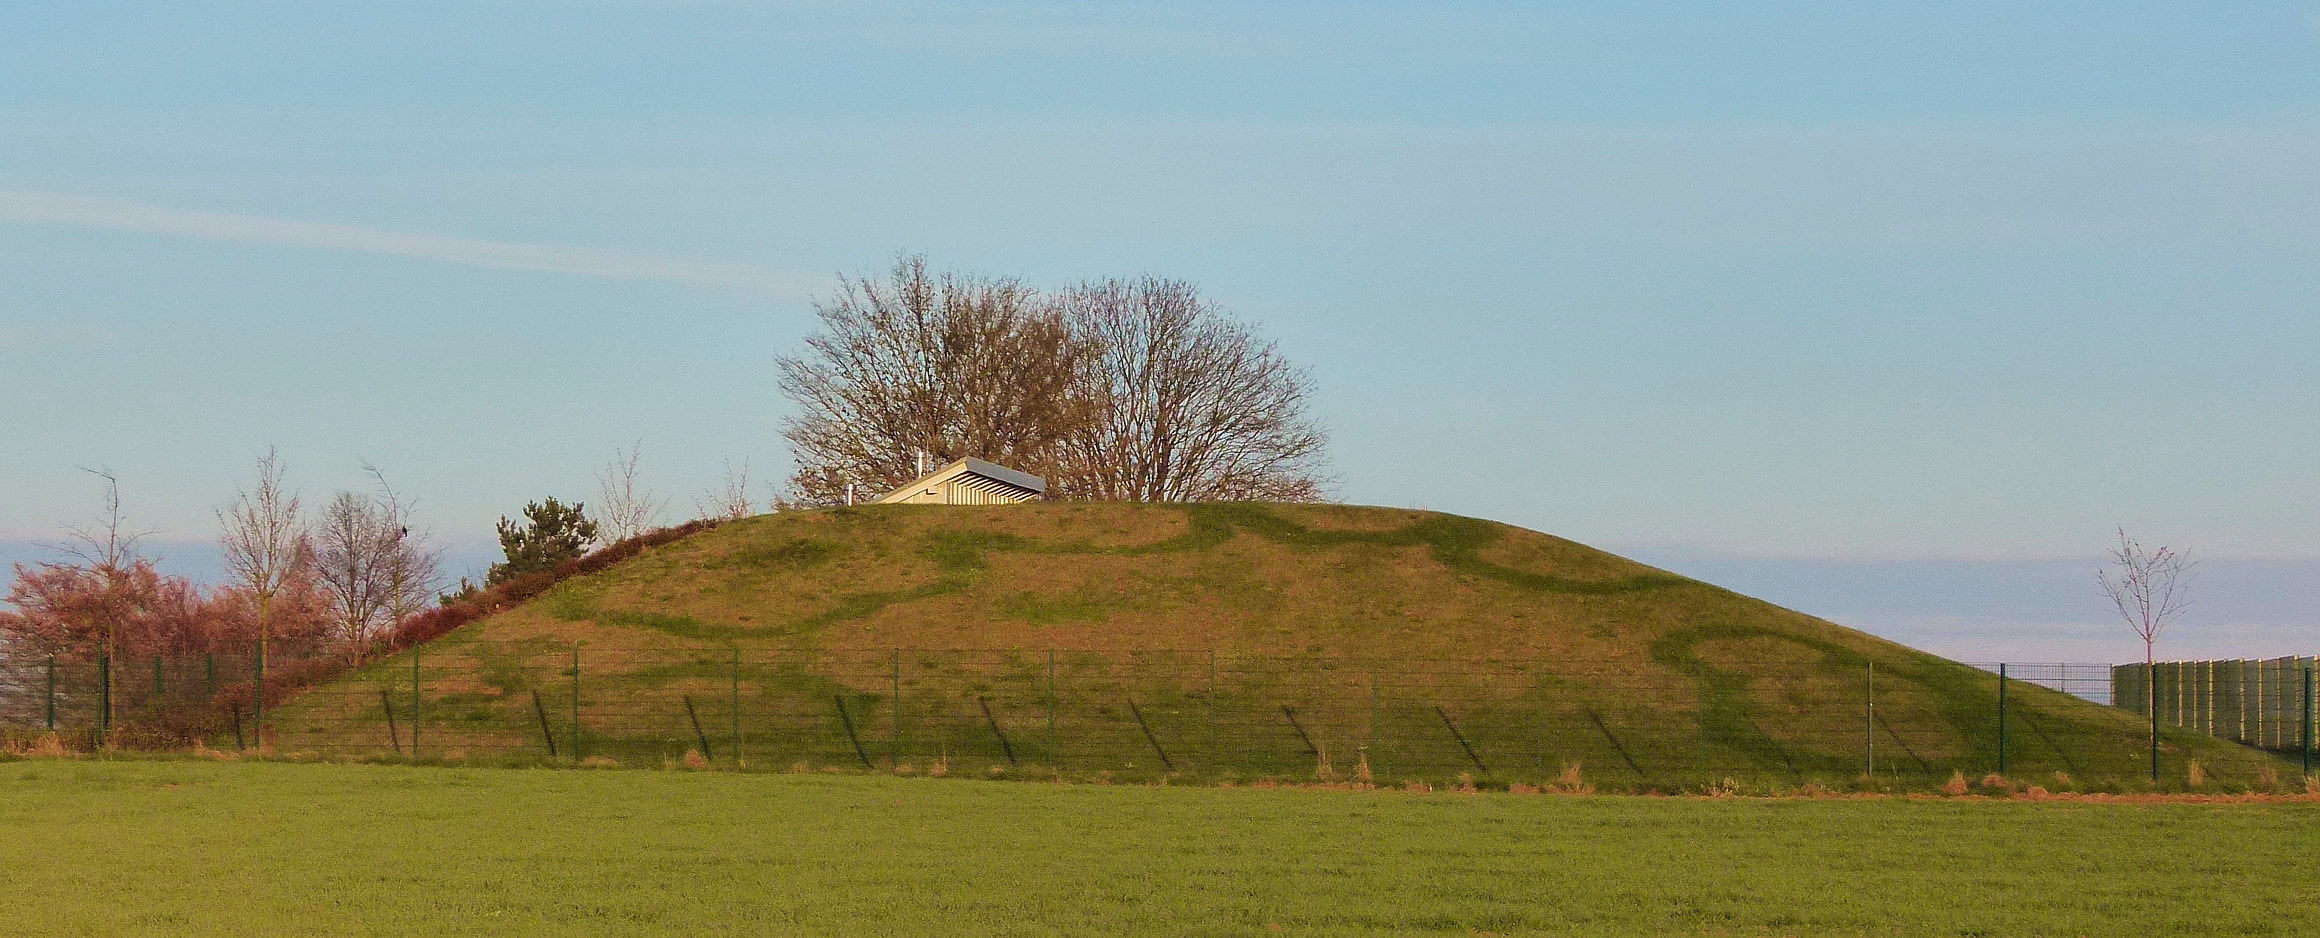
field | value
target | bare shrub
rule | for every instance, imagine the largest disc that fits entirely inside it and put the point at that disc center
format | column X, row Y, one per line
column 624, row 509
column 730, row 501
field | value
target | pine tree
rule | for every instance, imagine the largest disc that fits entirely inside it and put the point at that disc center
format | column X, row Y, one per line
column 556, row 533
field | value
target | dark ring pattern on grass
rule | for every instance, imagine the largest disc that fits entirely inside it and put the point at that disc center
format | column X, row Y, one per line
column 960, row 556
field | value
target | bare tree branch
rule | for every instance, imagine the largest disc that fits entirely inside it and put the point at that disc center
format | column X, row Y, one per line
column 2149, row 589
column 1187, row 405
column 106, row 545
column 1132, row 390
column 414, row 566
column 730, row 502
column 114, row 594
column 625, row 509
column 955, row 365
column 355, row 542
column 262, row 541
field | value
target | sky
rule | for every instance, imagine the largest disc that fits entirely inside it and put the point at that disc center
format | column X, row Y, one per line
column 1893, row 314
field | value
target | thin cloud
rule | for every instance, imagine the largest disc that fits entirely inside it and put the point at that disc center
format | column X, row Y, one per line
column 113, row 214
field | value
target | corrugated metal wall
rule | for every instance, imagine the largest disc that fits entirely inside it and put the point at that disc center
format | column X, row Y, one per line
column 971, row 490
column 2258, row 702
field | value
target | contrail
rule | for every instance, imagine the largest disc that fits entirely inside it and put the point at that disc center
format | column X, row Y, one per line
column 117, row 215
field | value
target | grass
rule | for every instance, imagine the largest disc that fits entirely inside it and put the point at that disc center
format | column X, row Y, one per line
column 1392, row 631
column 198, row 848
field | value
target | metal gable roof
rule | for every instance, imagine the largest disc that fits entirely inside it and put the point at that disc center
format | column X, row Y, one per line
column 1016, row 478
column 984, row 469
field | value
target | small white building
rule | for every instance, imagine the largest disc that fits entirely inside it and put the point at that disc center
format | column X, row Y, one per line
column 968, row 481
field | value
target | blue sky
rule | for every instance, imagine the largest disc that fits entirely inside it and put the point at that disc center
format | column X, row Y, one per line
column 1891, row 314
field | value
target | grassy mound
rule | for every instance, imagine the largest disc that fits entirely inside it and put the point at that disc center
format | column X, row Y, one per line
column 1211, row 642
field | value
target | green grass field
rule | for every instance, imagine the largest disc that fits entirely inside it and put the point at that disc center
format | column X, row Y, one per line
column 199, row 848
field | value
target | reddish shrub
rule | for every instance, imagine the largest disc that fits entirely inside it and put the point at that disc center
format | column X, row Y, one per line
column 288, row 678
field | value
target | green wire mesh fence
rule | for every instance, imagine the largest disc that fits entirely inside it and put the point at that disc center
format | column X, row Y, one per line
column 1193, row 715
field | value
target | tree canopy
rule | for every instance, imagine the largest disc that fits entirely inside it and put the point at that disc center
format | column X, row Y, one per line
column 1137, row 390
column 552, row 533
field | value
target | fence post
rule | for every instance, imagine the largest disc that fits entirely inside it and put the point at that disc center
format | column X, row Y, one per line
column 1165, row 765
column 894, row 731
column 157, row 691
column 394, row 734
column 2207, row 697
column 738, row 761
column 2307, row 720
column 1210, row 716
column 2239, row 683
column 416, row 720
column 1054, row 763
column 2151, row 694
column 104, row 697
column 1869, row 722
column 2179, row 693
column 258, row 694
column 52, row 693
column 209, row 674
column 575, row 703
column 547, row 734
column 1373, row 718
column 2001, row 719
column 1546, row 726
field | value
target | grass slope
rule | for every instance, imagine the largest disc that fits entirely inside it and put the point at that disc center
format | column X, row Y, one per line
column 1215, row 641
column 197, row 849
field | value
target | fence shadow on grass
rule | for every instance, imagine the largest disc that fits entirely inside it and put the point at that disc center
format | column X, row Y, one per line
column 1715, row 710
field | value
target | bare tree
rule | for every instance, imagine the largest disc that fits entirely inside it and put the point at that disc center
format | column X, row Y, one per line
column 2149, row 589
column 108, row 550
column 264, row 548
column 731, row 501
column 1188, row 405
column 107, row 545
column 955, row 365
column 1129, row 390
column 353, row 541
column 623, row 508
column 415, row 566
